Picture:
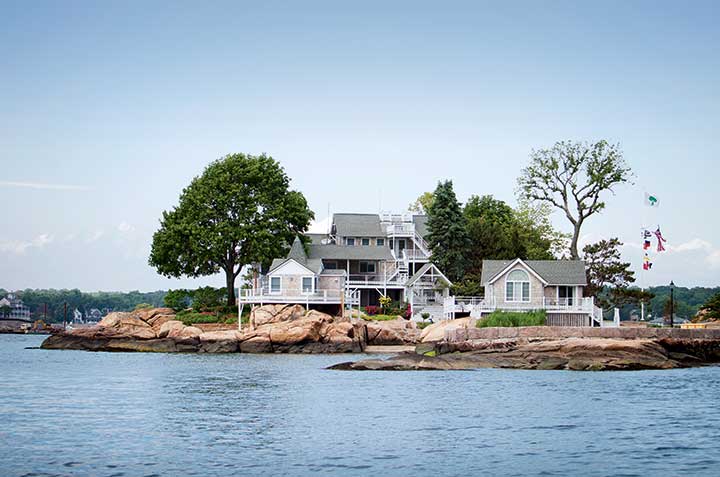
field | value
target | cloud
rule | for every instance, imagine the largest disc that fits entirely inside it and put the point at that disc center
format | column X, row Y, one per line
column 41, row 186
column 95, row 236
column 124, row 227
column 19, row 247
column 694, row 244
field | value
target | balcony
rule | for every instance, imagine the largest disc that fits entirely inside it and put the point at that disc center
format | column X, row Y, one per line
column 478, row 305
column 265, row 296
column 376, row 280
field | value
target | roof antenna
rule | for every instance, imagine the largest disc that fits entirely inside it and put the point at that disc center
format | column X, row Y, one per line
column 329, row 222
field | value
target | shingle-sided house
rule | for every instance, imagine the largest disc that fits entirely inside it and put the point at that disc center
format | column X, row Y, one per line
column 556, row 286
column 363, row 257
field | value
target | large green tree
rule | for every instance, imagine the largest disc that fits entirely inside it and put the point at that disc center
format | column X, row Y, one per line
column 609, row 278
column 711, row 308
column 573, row 176
column 239, row 211
column 447, row 233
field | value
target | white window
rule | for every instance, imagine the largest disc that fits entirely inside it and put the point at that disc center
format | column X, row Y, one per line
column 517, row 286
column 275, row 285
column 365, row 242
column 380, row 242
column 308, row 284
column 350, row 241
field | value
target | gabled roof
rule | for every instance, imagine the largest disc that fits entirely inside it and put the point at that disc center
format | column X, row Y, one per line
column 278, row 263
column 297, row 253
column 552, row 272
column 344, row 252
column 423, row 270
column 358, row 225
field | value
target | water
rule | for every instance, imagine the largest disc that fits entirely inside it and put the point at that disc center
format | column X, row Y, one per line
column 125, row 414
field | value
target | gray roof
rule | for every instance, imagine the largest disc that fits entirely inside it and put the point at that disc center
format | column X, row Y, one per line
column 297, row 253
column 421, row 225
column 358, row 225
column 349, row 252
column 554, row 272
column 316, row 238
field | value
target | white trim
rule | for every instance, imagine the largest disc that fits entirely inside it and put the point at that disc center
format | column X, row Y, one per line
column 432, row 265
column 270, row 289
column 521, row 283
column 312, row 284
column 509, row 267
column 286, row 263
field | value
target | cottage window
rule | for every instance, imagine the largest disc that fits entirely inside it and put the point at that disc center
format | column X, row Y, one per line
column 307, row 284
column 365, row 242
column 380, row 242
column 330, row 265
column 350, row 241
column 367, row 267
column 517, row 286
column 275, row 285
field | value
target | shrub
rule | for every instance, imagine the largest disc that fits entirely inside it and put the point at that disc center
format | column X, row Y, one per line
column 425, row 315
column 178, row 299
column 205, row 298
column 512, row 319
column 143, row 306
column 372, row 310
column 423, row 324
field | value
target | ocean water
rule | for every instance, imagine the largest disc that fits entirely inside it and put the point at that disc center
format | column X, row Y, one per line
column 124, row 414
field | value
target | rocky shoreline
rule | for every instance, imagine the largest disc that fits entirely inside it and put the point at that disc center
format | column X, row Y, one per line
column 552, row 353
column 272, row 329
column 447, row 345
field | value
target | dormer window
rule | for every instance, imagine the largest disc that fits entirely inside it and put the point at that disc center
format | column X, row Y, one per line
column 365, row 242
column 350, row 241
column 380, row 242
column 517, row 286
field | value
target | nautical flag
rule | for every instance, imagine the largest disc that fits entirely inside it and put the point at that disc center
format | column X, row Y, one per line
column 651, row 200
column 646, row 244
column 661, row 239
column 647, row 264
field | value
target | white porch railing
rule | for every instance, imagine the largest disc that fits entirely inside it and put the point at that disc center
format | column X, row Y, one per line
column 477, row 305
column 265, row 295
column 375, row 280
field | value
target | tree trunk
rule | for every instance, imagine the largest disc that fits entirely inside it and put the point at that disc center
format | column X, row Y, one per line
column 574, row 255
column 230, row 285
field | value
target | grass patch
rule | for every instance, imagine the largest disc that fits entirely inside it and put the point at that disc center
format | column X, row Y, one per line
column 423, row 324
column 506, row 319
column 189, row 317
column 380, row 317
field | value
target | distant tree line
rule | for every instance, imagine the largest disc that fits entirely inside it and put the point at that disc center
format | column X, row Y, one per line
column 55, row 300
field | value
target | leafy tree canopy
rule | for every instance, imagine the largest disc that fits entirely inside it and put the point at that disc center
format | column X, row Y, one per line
column 572, row 176
column 239, row 211
column 423, row 203
column 711, row 308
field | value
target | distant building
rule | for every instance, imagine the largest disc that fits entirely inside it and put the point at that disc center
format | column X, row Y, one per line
column 93, row 315
column 18, row 310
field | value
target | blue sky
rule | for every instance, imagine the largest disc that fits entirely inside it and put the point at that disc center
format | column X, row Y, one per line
column 108, row 109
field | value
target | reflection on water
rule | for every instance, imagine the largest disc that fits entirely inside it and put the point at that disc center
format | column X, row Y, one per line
column 113, row 414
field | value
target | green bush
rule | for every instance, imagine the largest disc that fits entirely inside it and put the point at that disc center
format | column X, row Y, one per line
column 505, row 319
column 425, row 315
column 423, row 324
column 143, row 306
column 207, row 298
column 178, row 299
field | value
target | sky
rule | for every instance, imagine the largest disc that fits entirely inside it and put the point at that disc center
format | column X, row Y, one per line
column 109, row 109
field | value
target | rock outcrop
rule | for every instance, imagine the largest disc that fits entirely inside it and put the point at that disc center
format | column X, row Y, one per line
column 274, row 329
column 578, row 354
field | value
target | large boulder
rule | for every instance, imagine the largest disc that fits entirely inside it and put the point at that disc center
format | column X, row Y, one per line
column 219, row 341
column 436, row 331
column 392, row 332
column 125, row 325
column 289, row 333
column 169, row 326
column 266, row 314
